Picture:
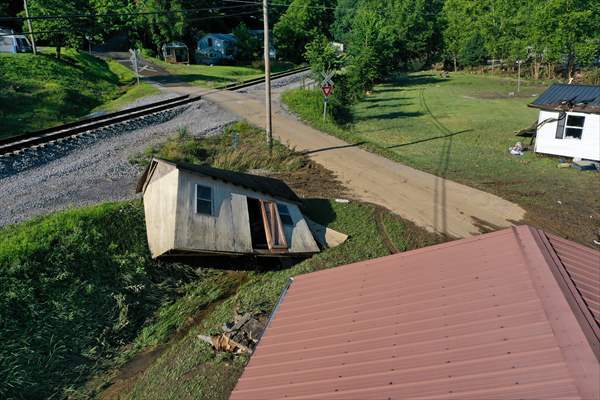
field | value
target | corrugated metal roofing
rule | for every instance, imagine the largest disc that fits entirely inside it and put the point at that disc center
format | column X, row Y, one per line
column 479, row 318
column 583, row 266
column 272, row 186
column 585, row 98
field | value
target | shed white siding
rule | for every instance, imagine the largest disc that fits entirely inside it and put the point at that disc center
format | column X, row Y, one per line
column 228, row 228
column 587, row 147
column 160, row 202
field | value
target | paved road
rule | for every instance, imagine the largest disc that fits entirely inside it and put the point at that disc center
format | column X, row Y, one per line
column 432, row 202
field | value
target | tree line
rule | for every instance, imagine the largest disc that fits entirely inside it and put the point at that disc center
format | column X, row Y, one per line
column 548, row 36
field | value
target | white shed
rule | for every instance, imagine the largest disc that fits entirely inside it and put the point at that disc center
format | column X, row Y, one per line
column 191, row 210
column 569, row 121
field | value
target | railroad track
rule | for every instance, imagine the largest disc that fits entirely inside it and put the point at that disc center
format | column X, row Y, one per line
column 20, row 143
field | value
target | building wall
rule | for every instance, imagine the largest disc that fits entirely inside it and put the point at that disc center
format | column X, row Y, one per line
column 228, row 229
column 160, row 201
column 587, row 147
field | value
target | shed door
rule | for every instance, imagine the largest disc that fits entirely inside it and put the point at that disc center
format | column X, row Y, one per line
column 265, row 226
column 273, row 226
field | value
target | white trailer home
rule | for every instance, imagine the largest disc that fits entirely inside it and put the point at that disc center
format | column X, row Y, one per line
column 199, row 210
column 569, row 121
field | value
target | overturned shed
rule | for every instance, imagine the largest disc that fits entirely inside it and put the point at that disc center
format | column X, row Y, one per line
column 193, row 209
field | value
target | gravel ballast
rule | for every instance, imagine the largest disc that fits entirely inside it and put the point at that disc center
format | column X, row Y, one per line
column 94, row 167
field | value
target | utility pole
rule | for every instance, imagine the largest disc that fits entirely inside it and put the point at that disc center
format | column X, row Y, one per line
column 267, row 74
column 29, row 26
column 519, row 76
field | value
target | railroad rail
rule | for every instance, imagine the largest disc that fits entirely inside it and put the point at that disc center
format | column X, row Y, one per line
column 44, row 136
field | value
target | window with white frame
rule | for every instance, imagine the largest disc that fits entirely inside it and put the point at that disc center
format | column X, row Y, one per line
column 284, row 214
column 203, row 200
column 574, row 126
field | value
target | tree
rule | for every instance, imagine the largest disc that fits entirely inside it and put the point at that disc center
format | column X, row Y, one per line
column 165, row 23
column 368, row 50
column 473, row 53
column 303, row 22
column 58, row 32
column 248, row 45
column 322, row 56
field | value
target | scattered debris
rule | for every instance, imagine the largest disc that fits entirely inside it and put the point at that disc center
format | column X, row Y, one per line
column 517, row 149
column 585, row 165
column 344, row 201
column 239, row 336
column 564, row 165
column 326, row 237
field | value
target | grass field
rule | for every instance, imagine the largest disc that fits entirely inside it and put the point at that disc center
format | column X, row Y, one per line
column 461, row 128
column 40, row 91
column 216, row 75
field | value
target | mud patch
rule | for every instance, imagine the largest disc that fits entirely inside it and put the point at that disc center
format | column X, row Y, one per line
column 314, row 181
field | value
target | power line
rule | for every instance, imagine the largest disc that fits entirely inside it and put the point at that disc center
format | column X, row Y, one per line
column 83, row 31
column 68, row 16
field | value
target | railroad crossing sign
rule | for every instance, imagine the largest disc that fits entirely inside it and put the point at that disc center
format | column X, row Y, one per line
column 327, row 84
column 327, row 90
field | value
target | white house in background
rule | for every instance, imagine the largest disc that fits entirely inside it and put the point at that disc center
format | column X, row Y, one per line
column 198, row 210
column 569, row 121
column 13, row 43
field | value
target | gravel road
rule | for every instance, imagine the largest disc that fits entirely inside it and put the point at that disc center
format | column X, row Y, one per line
column 95, row 167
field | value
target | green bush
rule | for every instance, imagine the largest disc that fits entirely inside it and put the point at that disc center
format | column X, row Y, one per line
column 74, row 286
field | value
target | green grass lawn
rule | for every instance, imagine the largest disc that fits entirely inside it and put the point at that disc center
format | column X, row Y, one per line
column 461, row 128
column 216, row 75
column 40, row 91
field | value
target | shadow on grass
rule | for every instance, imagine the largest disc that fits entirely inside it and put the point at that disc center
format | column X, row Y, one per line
column 428, row 139
column 333, row 148
column 391, row 115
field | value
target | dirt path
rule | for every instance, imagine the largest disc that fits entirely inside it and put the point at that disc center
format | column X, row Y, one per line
column 432, row 202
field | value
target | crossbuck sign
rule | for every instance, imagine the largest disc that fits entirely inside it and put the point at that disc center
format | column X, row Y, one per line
column 327, row 88
column 327, row 83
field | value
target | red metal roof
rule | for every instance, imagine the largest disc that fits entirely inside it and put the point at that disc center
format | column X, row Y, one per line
column 487, row 317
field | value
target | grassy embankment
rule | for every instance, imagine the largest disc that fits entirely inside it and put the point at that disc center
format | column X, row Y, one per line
column 460, row 128
column 80, row 295
column 40, row 91
column 215, row 75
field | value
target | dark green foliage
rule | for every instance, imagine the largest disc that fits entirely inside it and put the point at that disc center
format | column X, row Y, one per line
column 59, row 32
column 303, row 22
column 474, row 51
column 73, row 287
column 322, row 56
column 248, row 46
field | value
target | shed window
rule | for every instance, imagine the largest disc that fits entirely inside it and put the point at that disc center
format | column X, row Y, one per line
column 203, row 200
column 284, row 214
column 574, row 126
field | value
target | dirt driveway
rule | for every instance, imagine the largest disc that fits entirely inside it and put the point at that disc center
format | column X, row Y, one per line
column 432, row 202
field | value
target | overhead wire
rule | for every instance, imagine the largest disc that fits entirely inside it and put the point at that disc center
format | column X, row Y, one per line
column 83, row 31
column 90, row 16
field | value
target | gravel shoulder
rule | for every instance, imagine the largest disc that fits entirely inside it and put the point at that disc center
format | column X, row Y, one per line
column 95, row 167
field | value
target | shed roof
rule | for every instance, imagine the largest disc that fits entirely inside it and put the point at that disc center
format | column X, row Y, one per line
column 583, row 98
column 274, row 187
column 222, row 36
column 487, row 317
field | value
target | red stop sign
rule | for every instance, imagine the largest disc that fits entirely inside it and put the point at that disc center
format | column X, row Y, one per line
column 327, row 90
